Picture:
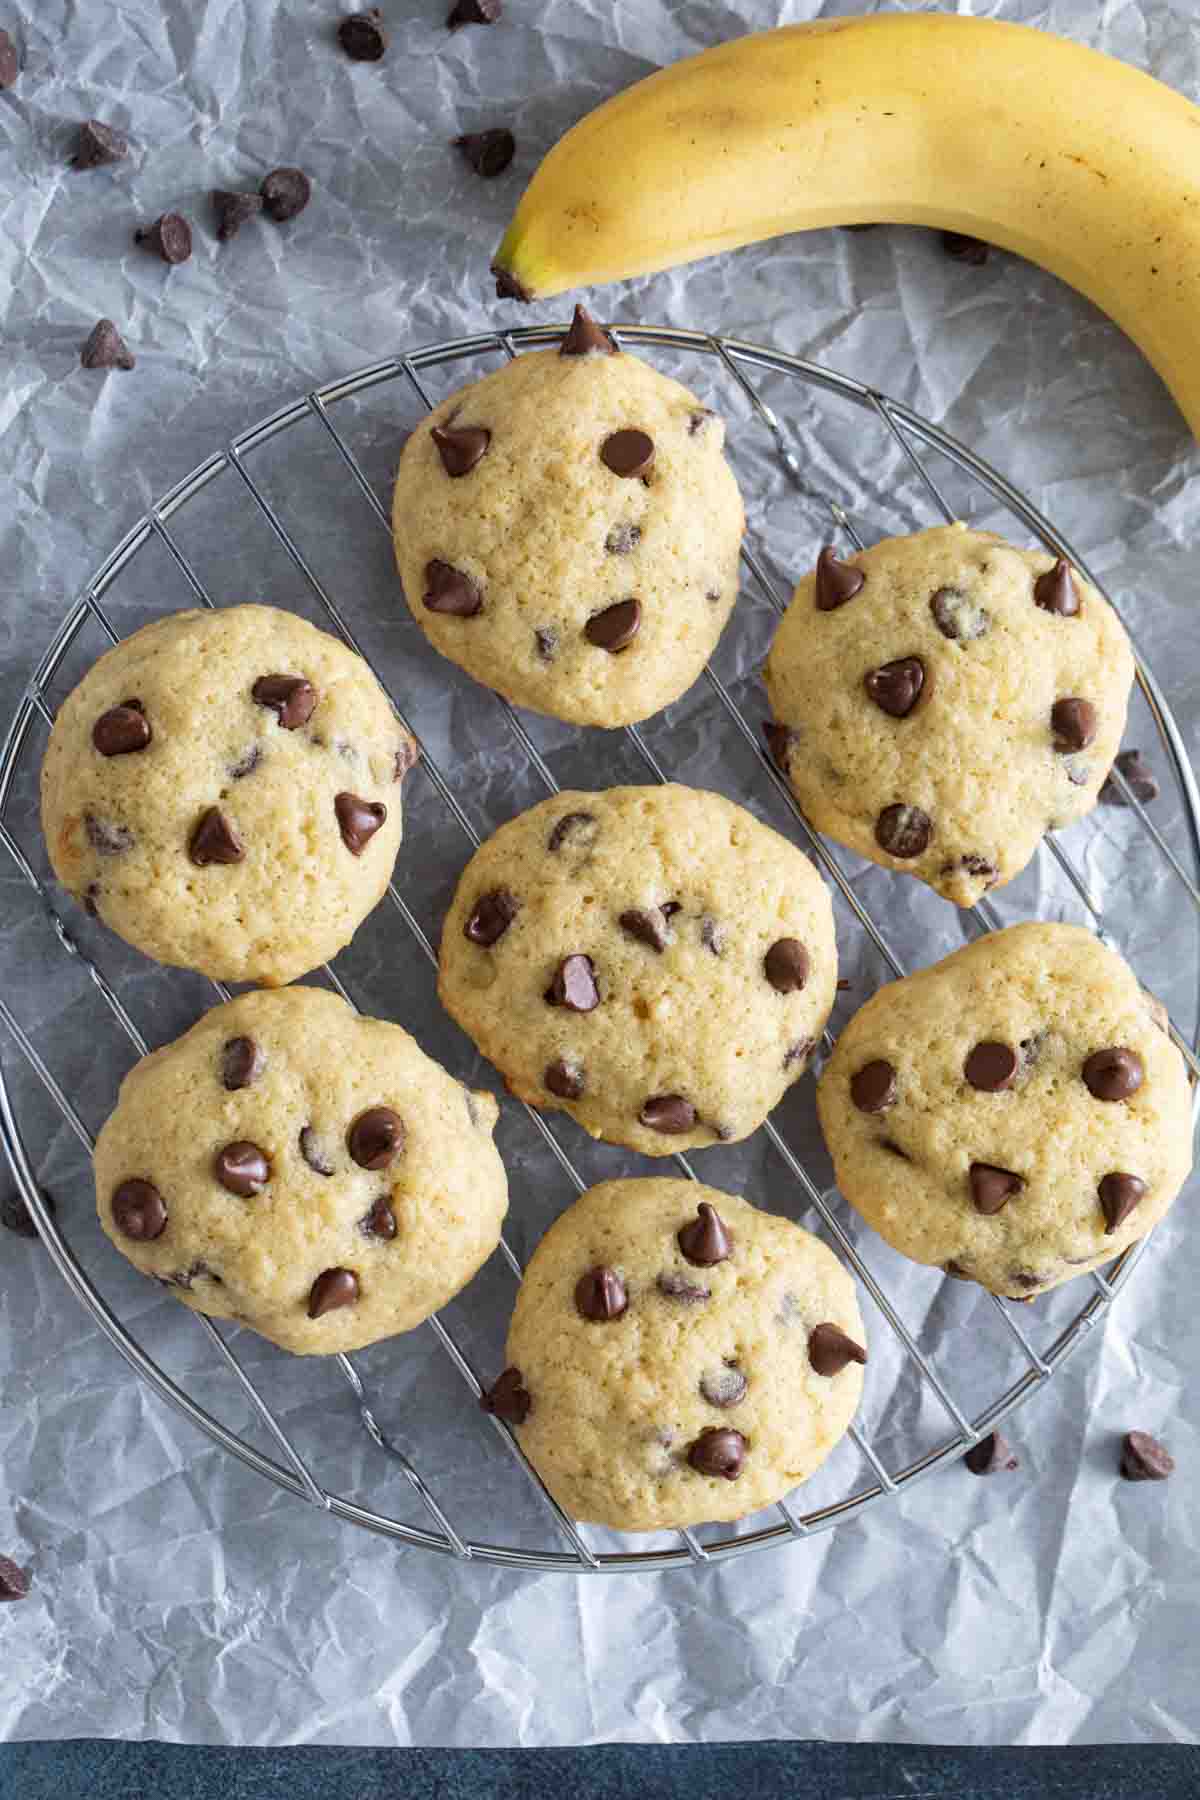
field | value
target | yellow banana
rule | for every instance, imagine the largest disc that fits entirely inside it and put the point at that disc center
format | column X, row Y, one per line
column 1067, row 156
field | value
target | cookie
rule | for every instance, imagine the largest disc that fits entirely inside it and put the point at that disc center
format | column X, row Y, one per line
column 304, row 1170
column 223, row 790
column 1015, row 1114
column 567, row 531
column 651, row 960
column 943, row 699
column 676, row 1356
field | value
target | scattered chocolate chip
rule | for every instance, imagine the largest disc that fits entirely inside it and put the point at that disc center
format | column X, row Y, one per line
column 375, row 1138
column 448, row 590
column 358, row 820
column 600, row 1294
column 10, row 62
column 614, row 628
column 285, row 192
column 957, row 1271
column 16, row 1216
column 718, row 1451
column 1074, row 723
column 564, row 1079
column 649, row 927
column 331, row 1289
column 991, row 1455
column 231, row 211
column 873, row 1087
column 903, row 831
column 668, row 1113
column 579, row 826
column 169, row 237
column 473, row 12
column 628, row 452
column 246, row 763
column 830, row 1350
column 105, row 837
column 490, row 917
column 781, row 741
column 242, row 1062
column 799, row 1052
column 991, row 1066
column 574, row 985
column 1143, row 1458
column 1056, row 592
column 508, row 1398
column 362, row 35
column 970, row 250
column 712, row 595
column 380, row 1222
column 724, row 1387
column 1119, row 1194
column 99, row 144
column 786, row 965
column 712, row 935
column 896, row 686
column 184, row 1278
column 669, row 908
column 546, row 639
column 1113, row 1074
column 488, row 152
column 622, row 539
column 313, row 1150
column 700, row 420
column 956, row 615
column 242, row 1168
column 992, row 1188
column 508, row 287
column 1139, row 777
column 837, row 581
column 678, row 1287
column 705, row 1240
column 91, row 900
column 291, row 698
column 981, row 867
column 139, row 1211
column 584, row 336
column 894, row 1149
column 460, row 447
column 214, row 840
column 14, row 1581
column 106, row 348
column 407, row 757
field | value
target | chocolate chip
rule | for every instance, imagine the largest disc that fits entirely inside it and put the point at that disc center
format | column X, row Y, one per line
column 992, row 1188
column 957, row 1271
column 170, row 238
column 622, row 539
column 508, row 1398
column 460, row 447
column 242, row 1063
column 358, row 820
column 574, row 985
column 291, row 698
column 106, row 348
column 380, row 1222
column 705, row 1240
column 799, row 1052
column 991, row 1066
column 231, row 211
column 10, row 62
column 313, row 1150
column 903, row 831
column 718, row 1451
column 896, row 686
column 362, row 35
column 724, row 1387
column 488, row 152
column 508, row 287
column 16, row 1216
column 600, row 1294
column 490, row 917
column 564, row 1079
column 615, row 627
column 184, row 1278
column 139, row 1211
column 214, row 840
column 649, row 928
column 14, row 1581
column 711, row 935
column 981, row 867
column 1027, row 1278
column 781, row 741
column 836, row 582
column 448, row 590
column 873, row 1087
column 285, row 192
column 546, row 639
column 473, row 12
column 970, row 250
column 956, row 615
column 990, row 1456
column 1119, row 1194
column 786, row 965
column 628, row 453
column 242, row 1168
column 894, row 1149
column 668, row 1113
column 91, row 900
column 1139, row 777
column 105, row 837
column 1056, row 592
column 584, row 337
column 376, row 1137
column 331, row 1289
column 99, row 144
column 669, row 908
column 246, row 763
column 407, row 757
column 1143, row 1458
column 678, row 1287
column 1074, row 723
column 830, row 1350
column 1113, row 1074
column 700, row 420
column 1078, row 773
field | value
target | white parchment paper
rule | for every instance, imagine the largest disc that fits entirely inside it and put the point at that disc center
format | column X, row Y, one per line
column 179, row 1596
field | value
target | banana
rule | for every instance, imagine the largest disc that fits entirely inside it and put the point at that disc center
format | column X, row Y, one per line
column 1069, row 157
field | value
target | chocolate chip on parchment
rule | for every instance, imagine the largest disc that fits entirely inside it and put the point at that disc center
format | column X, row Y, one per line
column 99, row 144
column 799, row 1052
column 668, row 1113
column 331, row 1289
column 546, row 640
column 628, row 452
column 460, row 447
column 896, row 686
column 830, row 1350
column 1056, row 592
column 376, row 1137
column 448, row 590
column 1139, row 778
column 1119, row 1194
column 724, row 1387
column 139, row 1210
column 957, row 616
column 873, row 1087
column 14, row 1580
column 473, row 12
column 564, row 1079
column 242, row 1062
column 231, row 211
column 600, row 1294
column 678, row 1287
column 705, row 1240
column 488, row 152
column 106, row 838
column 362, row 35
column 991, row 1455
column 1074, row 723
column 1143, row 1458
column 614, row 628
column 649, row 927
column 291, row 698
column 358, row 820
column 718, row 1451
column 836, row 581
column 991, row 1066
column 106, row 348
column 584, row 337
column 214, row 840
column 380, row 1222
column 10, row 62
column 786, row 965
column 169, row 238
column 490, row 917
column 903, row 831
column 15, row 1215
column 961, row 248
column 285, row 192
column 242, row 1168
column 574, row 985
column 992, row 1188
column 508, row 1397
column 1113, row 1074
column 313, row 1150
column 122, row 729
column 622, row 539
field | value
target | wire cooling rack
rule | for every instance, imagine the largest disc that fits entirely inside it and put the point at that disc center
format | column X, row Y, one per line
column 749, row 369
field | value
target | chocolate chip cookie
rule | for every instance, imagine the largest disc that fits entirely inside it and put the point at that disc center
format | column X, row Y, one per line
column 675, row 1356
column 1015, row 1114
column 651, row 960
column 304, row 1170
column 567, row 531
column 223, row 790
column 943, row 699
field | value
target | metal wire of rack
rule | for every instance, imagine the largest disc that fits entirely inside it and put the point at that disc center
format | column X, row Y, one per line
column 736, row 360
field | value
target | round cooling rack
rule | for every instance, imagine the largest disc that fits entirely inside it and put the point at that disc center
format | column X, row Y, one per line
column 872, row 446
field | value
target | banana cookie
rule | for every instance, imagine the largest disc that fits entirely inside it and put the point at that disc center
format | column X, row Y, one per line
column 304, row 1170
column 223, row 790
column 676, row 1356
column 1015, row 1114
column 567, row 531
column 943, row 699
column 651, row 960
